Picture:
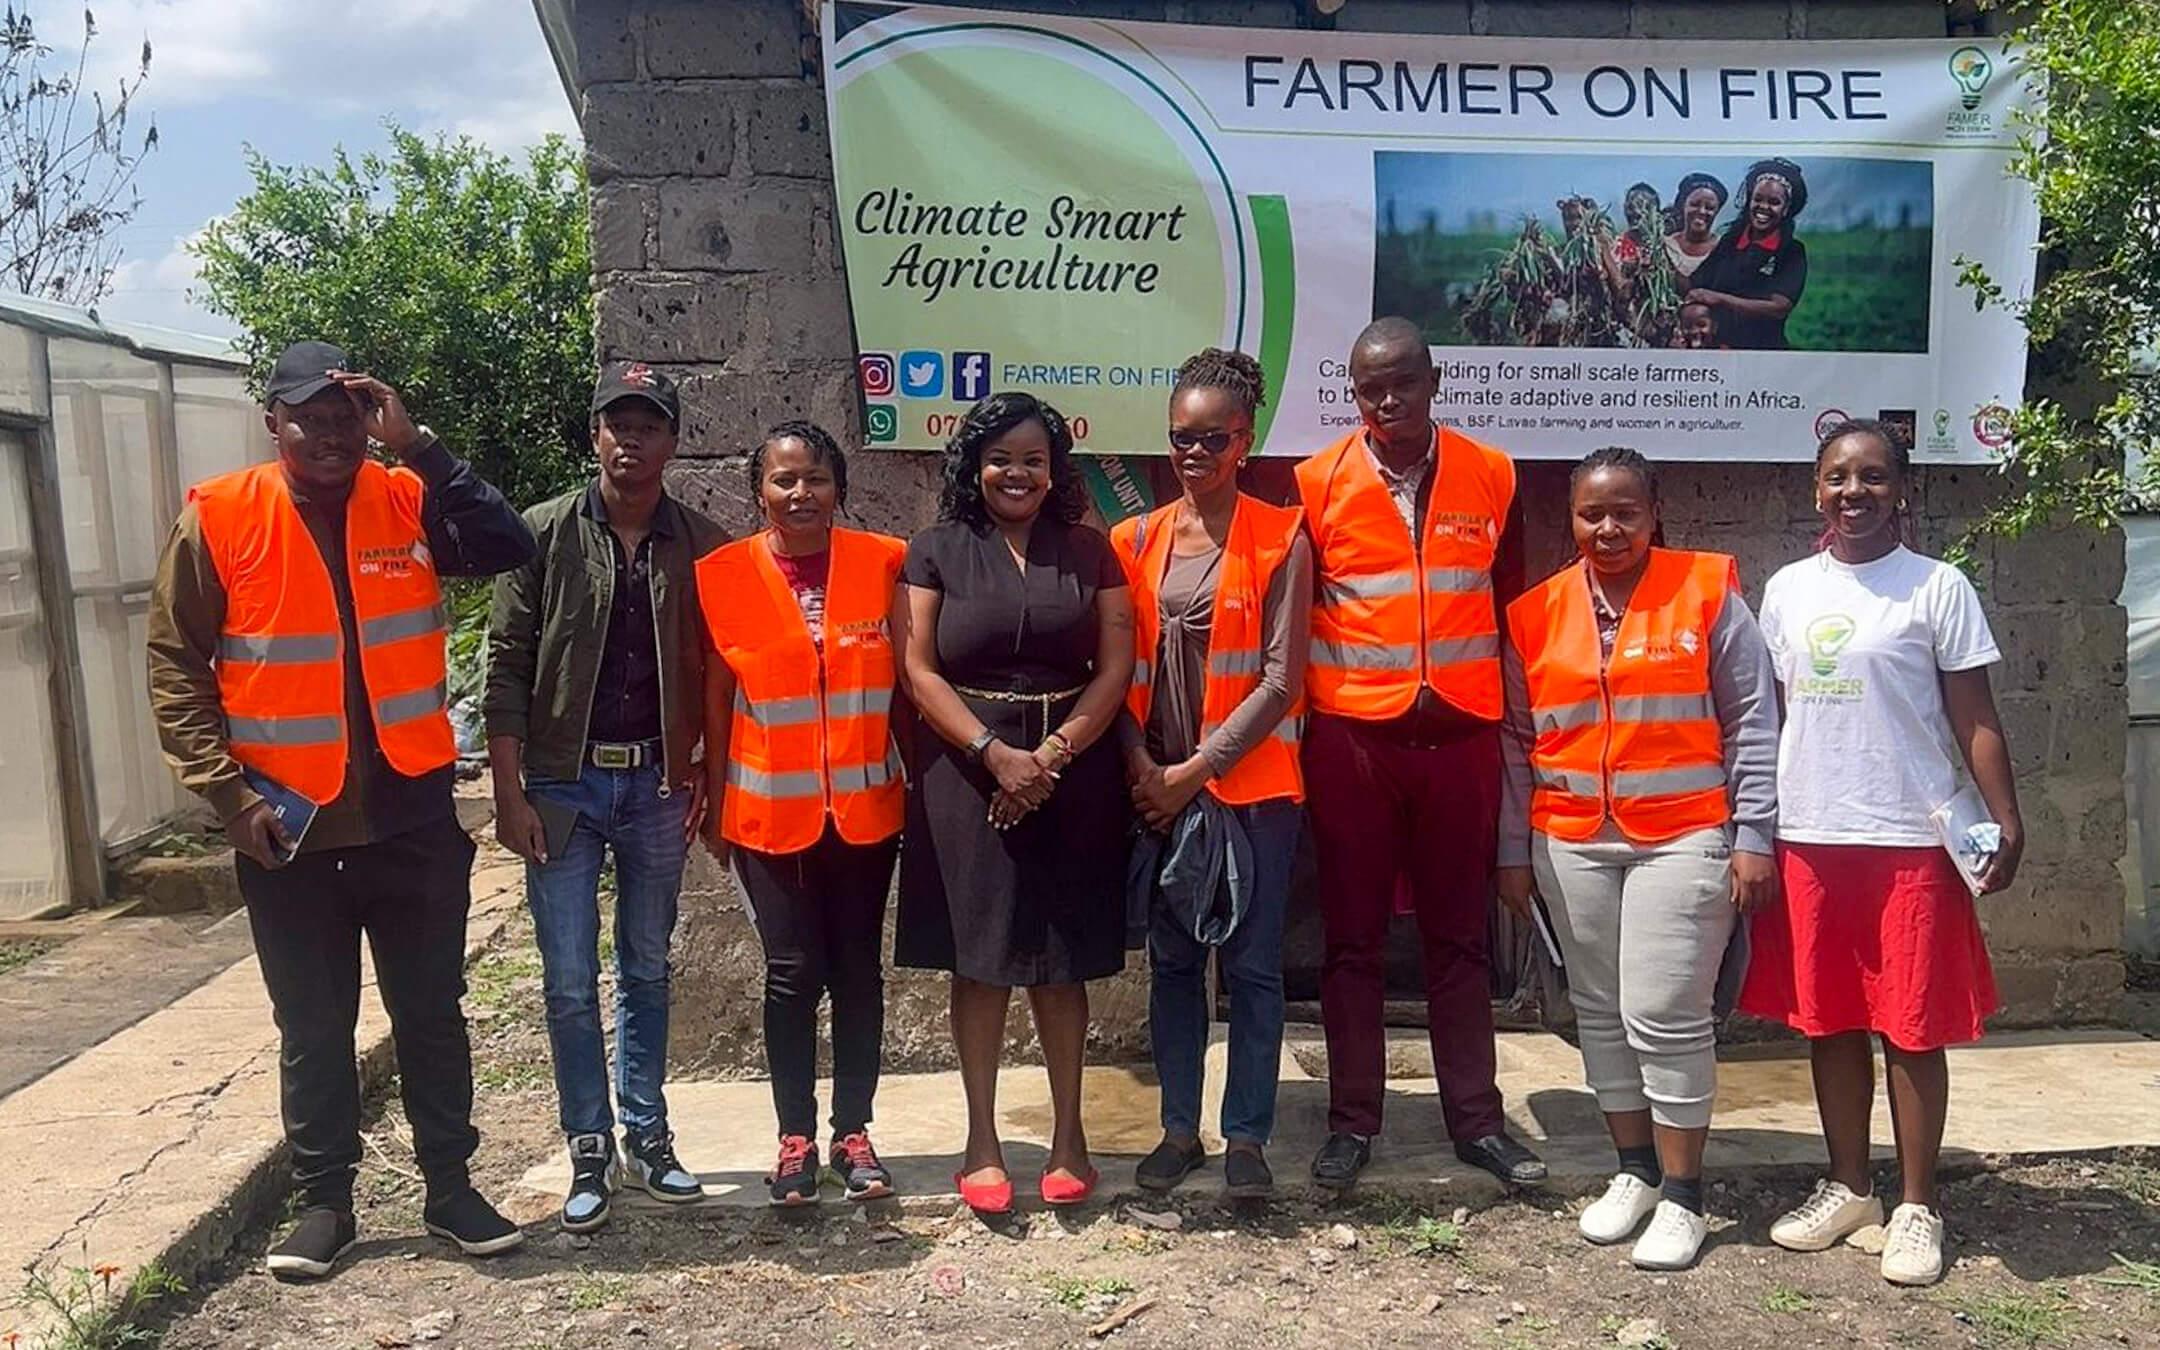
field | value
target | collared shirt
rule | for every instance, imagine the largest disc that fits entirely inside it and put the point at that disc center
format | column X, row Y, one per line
column 626, row 693
column 1406, row 488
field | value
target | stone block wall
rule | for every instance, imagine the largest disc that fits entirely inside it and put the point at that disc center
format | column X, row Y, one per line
column 717, row 257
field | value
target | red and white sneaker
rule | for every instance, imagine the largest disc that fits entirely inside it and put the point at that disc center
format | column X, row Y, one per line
column 856, row 1163
column 794, row 1177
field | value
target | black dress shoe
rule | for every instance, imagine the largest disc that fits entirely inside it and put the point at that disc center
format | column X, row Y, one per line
column 1246, row 1175
column 1504, row 1158
column 1168, row 1165
column 1340, row 1159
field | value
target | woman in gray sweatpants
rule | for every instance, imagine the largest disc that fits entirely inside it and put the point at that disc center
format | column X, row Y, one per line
column 1639, row 801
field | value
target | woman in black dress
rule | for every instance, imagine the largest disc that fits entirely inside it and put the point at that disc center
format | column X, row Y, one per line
column 1017, row 635
column 1754, row 275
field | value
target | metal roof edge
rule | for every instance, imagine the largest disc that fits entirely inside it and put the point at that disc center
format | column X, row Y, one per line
column 144, row 339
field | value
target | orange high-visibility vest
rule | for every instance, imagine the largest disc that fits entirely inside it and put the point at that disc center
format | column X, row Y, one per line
column 1260, row 538
column 1391, row 615
column 811, row 735
column 281, row 656
column 1638, row 740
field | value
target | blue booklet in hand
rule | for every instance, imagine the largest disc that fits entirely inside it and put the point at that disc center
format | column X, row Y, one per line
column 294, row 812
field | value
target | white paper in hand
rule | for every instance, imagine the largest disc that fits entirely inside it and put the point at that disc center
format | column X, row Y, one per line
column 1969, row 833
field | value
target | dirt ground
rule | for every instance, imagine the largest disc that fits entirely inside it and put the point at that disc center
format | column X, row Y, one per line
column 2037, row 1250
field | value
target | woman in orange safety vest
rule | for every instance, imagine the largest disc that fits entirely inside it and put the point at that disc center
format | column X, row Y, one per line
column 1640, row 798
column 802, row 766
column 1222, row 604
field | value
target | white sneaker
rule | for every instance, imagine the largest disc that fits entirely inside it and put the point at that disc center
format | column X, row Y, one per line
column 1913, row 1246
column 1615, row 1215
column 1673, row 1238
column 1825, row 1218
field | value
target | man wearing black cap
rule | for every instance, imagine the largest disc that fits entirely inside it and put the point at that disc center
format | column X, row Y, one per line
column 594, row 709
column 297, row 668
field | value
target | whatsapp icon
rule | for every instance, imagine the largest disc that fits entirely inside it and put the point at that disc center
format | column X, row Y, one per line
column 881, row 422
column 1827, row 638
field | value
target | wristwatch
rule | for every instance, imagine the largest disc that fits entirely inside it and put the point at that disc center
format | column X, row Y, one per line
column 976, row 747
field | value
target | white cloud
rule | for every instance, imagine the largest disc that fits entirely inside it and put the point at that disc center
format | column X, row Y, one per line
column 157, row 290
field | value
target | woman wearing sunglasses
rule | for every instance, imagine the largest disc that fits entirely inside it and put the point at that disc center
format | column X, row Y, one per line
column 1222, row 600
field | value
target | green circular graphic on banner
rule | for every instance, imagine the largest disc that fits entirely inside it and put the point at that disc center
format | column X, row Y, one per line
column 1014, row 220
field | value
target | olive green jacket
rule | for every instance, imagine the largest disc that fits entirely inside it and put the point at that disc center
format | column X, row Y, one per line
column 549, row 623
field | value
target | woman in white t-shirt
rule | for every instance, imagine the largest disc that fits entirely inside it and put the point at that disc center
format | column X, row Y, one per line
column 1882, row 656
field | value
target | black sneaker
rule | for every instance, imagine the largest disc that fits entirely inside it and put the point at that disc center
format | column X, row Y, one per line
column 658, row 1172
column 1340, row 1159
column 593, row 1177
column 794, row 1178
column 856, row 1163
column 1506, row 1159
column 471, row 1223
column 313, row 1246
column 1246, row 1175
column 1169, row 1164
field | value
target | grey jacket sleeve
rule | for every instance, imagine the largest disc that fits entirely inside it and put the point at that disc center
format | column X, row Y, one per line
column 1517, row 734
column 1743, row 685
column 1286, row 632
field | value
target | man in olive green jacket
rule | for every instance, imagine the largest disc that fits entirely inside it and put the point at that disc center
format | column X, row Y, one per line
column 593, row 707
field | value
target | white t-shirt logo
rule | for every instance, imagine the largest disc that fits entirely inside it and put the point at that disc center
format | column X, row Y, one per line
column 1827, row 637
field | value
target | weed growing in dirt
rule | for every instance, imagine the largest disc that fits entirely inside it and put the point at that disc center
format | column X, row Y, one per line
column 1076, row 1291
column 1786, row 1299
column 2139, row 1181
column 13, row 954
column 1612, row 1324
column 494, row 979
column 1423, row 1235
column 592, row 1292
column 2143, row 1275
column 86, row 1314
column 2044, row 1317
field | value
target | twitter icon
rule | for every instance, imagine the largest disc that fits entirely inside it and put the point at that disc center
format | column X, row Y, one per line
column 922, row 374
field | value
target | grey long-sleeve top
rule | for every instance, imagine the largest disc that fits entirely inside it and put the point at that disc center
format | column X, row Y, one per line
column 1743, row 686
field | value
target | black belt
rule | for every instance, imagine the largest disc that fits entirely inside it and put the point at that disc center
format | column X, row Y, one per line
column 622, row 754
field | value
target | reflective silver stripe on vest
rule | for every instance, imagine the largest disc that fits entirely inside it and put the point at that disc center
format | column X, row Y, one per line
column 1574, row 784
column 285, row 730
column 407, row 707
column 1380, row 585
column 1664, row 708
column 1455, row 651
column 1248, row 661
column 1568, row 716
column 1668, row 782
column 777, row 712
column 406, row 623
column 858, row 702
column 1458, row 580
column 1365, row 656
column 863, row 777
column 1142, row 673
column 775, row 786
column 298, row 650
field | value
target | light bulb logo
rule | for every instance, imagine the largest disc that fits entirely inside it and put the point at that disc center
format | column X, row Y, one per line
column 1827, row 638
column 1972, row 70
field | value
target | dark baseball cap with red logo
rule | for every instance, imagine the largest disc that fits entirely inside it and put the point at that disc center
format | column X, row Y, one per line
column 634, row 379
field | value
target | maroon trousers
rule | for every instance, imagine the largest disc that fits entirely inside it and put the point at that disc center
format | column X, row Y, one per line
column 1382, row 810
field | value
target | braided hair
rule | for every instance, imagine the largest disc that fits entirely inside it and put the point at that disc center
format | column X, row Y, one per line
column 823, row 450
column 1628, row 460
column 960, row 497
column 1900, row 462
column 1232, row 372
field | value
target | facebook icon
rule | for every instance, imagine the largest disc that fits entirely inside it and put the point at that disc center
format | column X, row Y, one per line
column 970, row 375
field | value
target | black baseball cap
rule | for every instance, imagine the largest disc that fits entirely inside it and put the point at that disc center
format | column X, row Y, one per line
column 634, row 379
column 303, row 371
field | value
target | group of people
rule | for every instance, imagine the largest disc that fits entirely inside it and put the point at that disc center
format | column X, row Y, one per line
column 1070, row 744
column 1676, row 272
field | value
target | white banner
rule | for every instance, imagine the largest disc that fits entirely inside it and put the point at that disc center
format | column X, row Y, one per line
column 1706, row 250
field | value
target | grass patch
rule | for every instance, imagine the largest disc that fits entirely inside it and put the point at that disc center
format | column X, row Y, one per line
column 593, row 1292
column 1611, row 1324
column 23, row 951
column 1786, row 1299
column 2131, row 1274
column 510, row 1077
column 88, row 1314
column 1077, row 1291
column 2140, row 1181
column 1404, row 1229
column 2044, row 1317
column 503, row 977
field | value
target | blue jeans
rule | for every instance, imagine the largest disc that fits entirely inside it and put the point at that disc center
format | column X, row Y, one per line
column 623, row 811
column 1252, row 968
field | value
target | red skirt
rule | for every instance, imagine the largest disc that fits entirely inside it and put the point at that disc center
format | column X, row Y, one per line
column 1871, row 939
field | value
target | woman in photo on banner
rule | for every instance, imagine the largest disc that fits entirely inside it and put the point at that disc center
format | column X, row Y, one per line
column 1639, row 798
column 1883, row 654
column 1222, row 605
column 1755, row 274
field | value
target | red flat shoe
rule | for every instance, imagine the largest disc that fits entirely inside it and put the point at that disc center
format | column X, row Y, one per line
column 985, row 1197
column 1063, row 1191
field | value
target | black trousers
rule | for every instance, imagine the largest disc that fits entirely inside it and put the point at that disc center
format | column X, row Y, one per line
column 409, row 895
column 821, row 916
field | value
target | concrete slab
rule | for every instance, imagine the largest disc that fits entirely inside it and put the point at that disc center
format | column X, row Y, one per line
column 2011, row 1095
column 170, row 1128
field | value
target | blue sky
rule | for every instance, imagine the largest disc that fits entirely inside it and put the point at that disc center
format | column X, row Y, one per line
column 1458, row 188
column 293, row 78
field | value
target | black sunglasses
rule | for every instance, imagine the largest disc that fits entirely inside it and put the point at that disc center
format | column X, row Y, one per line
column 1214, row 442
